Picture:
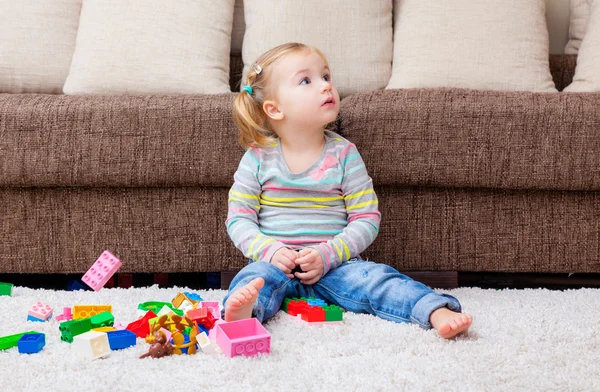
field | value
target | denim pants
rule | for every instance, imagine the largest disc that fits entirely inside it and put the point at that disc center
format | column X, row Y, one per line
column 356, row 285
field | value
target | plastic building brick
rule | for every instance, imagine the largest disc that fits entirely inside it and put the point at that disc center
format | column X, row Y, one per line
column 140, row 327
column 92, row 344
column 70, row 329
column 202, row 316
column 10, row 341
column 165, row 310
column 85, row 311
column 208, row 346
column 31, row 343
column 6, row 289
column 314, row 314
column 102, row 270
column 104, row 329
column 119, row 325
column 35, row 319
column 121, row 339
column 66, row 315
column 213, row 306
column 157, row 306
column 180, row 297
column 40, row 311
column 333, row 313
column 193, row 296
column 104, row 319
column 243, row 337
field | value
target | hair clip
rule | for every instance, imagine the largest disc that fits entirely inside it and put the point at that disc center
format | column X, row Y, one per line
column 257, row 68
column 248, row 89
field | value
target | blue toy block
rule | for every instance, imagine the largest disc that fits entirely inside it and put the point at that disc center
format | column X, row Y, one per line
column 193, row 296
column 31, row 318
column 121, row 339
column 31, row 343
column 75, row 285
column 186, row 340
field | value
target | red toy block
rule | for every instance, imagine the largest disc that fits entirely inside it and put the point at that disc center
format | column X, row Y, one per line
column 314, row 314
column 202, row 316
column 97, row 276
column 140, row 327
column 298, row 307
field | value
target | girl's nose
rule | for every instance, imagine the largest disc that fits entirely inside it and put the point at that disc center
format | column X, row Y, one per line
column 326, row 87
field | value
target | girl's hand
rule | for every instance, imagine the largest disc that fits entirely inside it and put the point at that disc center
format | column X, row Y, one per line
column 284, row 259
column 311, row 263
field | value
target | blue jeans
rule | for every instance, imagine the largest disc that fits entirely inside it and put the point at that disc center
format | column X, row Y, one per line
column 358, row 286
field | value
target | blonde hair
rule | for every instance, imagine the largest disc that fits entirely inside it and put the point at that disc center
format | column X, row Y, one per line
column 248, row 111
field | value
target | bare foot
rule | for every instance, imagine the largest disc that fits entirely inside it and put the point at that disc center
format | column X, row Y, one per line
column 449, row 323
column 239, row 304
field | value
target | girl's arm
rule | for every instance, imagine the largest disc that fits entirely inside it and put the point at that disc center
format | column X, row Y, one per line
column 363, row 214
column 242, row 216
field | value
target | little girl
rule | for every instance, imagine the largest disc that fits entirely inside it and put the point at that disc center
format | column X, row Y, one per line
column 302, row 206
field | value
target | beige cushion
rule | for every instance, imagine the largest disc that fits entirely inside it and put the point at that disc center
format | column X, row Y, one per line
column 37, row 39
column 239, row 27
column 152, row 46
column 580, row 12
column 355, row 35
column 587, row 71
column 484, row 44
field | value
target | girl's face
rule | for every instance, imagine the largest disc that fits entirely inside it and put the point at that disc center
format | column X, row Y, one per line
column 304, row 91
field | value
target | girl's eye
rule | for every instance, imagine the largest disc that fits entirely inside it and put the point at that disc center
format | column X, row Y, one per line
column 307, row 80
column 326, row 77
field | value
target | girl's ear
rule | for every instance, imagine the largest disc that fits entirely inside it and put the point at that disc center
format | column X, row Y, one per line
column 272, row 110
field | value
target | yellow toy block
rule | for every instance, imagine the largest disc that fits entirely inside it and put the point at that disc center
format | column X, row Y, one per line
column 85, row 311
column 104, row 329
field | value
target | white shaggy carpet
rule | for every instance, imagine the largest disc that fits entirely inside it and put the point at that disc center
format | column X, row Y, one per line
column 521, row 340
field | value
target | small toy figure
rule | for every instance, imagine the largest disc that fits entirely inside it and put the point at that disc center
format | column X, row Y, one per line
column 160, row 348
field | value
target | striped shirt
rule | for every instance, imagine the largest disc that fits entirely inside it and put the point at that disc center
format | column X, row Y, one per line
column 331, row 206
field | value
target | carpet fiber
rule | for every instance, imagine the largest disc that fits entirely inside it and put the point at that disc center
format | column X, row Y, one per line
column 520, row 340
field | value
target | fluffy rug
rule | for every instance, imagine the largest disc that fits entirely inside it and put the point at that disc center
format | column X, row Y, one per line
column 520, row 340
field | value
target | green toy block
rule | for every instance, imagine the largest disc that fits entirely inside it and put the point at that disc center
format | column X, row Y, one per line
column 156, row 306
column 104, row 319
column 285, row 304
column 6, row 289
column 69, row 329
column 9, row 341
column 333, row 313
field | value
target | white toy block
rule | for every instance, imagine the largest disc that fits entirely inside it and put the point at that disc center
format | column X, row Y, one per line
column 207, row 346
column 165, row 310
column 40, row 311
column 185, row 305
column 92, row 344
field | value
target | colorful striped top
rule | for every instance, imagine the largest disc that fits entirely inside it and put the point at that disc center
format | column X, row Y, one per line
column 331, row 206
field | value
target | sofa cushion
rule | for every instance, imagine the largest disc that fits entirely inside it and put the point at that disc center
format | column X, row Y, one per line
column 152, row 46
column 580, row 12
column 587, row 72
column 483, row 44
column 478, row 139
column 37, row 40
column 355, row 35
column 61, row 140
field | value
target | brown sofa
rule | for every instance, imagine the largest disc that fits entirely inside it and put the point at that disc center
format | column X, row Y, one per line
column 467, row 180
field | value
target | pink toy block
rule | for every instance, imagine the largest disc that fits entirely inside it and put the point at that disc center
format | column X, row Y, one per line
column 243, row 337
column 97, row 276
column 66, row 315
column 214, row 308
column 119, row 326
column 40, row 311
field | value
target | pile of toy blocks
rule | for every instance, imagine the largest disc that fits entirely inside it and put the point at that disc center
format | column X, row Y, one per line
column 312, row 310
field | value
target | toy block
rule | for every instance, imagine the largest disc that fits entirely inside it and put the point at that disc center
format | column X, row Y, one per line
column 70, row 329
column 35, row 319
column 333, row 313
column 207, row 346
column 180, row 297
column 119, row 325
column 186, row 306
column 75, row 285
column 104, row 319
column 85, row 311
column 121, row 339
column 92, row 344
column 99, row 273
column 6, row 289
column 10, row 341
column 165, row 310
column 213, row 306
column 104, row 329
column 193, row 296
column 167, row 333
column 31, row 343
column 40, row 311
column 314, row 314
column 243, row 337
column 65, row 316
column 140, row 327
column 157, row 306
